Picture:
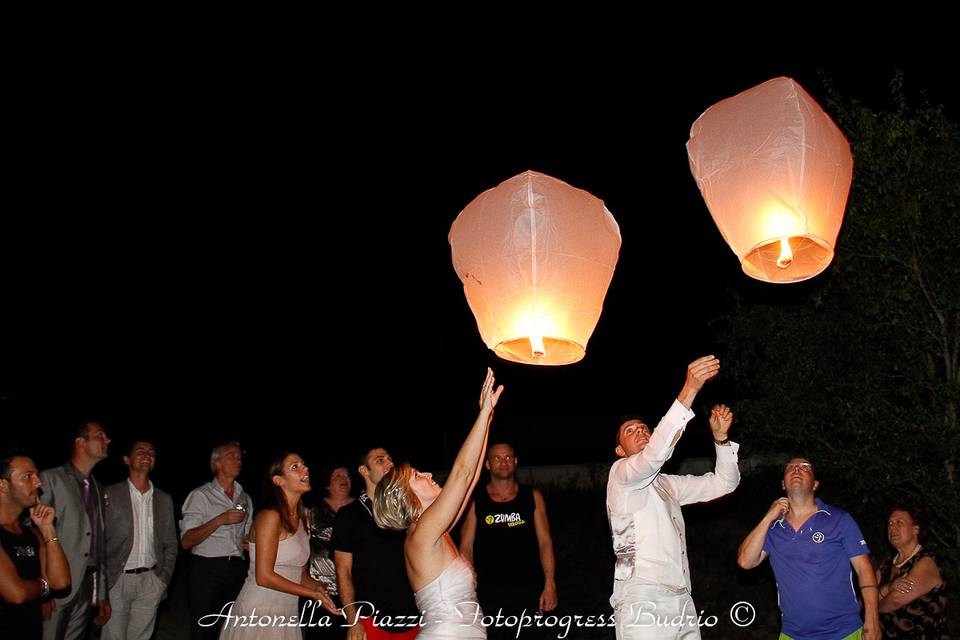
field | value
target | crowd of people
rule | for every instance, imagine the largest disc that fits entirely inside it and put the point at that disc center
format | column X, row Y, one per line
column 384, row 565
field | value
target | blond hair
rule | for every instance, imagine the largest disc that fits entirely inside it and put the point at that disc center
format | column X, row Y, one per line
column 395, row 505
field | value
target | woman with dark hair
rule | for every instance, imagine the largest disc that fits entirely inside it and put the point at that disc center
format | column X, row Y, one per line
column 279, row 550
column 321, row 517
column 913, row 603
column 407, row 500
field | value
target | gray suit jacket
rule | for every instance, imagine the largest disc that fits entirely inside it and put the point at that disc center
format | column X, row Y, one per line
column 120, row 531
column 62, row 491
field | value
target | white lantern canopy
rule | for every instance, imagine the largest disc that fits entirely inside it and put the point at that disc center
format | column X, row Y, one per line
column 535, row 256
column 775, row 172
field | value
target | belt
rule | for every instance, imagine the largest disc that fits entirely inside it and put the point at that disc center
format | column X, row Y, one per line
column 140, row 569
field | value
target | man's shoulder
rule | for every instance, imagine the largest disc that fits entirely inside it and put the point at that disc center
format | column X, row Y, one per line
column 612, row 478
column 352, row 511
column 55, row 478
column 60, row 472
column 352, row 527
column 613, row 466
column 835, row 513
column 114, row 494
column 205, row 487
column 844, row 525
column 116, row 486
column 351, row 506
column 198, row 492
column 161, row 496
column 531, row 491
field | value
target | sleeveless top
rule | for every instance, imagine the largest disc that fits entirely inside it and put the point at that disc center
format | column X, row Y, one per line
column 506, row 537
column 925, row 617
column 448, row 605
column 21, row 620
column 275, row 612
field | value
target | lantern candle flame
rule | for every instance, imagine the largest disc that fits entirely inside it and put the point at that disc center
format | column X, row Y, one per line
column 536, row 347
column 786, row 255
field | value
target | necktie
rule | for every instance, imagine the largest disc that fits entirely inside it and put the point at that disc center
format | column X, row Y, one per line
column 90, row 505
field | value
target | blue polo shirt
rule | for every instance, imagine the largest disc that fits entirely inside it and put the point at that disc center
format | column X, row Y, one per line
column 814, row 576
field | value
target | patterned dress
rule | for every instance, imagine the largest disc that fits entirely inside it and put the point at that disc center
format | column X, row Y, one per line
column 322, row 568
column 925, row 617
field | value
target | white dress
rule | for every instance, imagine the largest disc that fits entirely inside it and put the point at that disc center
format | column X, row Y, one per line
column 449, row 605
column 260, row 612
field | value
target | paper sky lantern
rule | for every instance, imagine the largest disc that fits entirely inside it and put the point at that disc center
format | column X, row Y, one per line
column 535, row 256
column 775, row 172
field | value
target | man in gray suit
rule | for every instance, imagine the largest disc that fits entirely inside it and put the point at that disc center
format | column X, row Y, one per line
column 77, row 499
column 141, row 547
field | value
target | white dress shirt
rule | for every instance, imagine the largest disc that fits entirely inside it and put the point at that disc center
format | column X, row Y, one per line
column 643, row 505
column 142, row 554
column 207, row 502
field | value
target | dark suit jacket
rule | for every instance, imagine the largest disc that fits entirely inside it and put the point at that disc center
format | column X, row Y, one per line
column 120, row 531
column 62, row 491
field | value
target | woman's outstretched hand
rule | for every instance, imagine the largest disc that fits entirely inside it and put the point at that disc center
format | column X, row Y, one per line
column 489, row 397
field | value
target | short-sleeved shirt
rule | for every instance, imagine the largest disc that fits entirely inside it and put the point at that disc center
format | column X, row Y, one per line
column 814, row 576
column 379, row 572
column 207, row 502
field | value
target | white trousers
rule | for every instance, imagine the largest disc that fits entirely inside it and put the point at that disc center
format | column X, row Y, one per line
column 650, row 612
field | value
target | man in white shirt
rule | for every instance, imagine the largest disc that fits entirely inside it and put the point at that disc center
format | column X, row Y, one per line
column 141, row 546
column 651, row 589
column 217, row 517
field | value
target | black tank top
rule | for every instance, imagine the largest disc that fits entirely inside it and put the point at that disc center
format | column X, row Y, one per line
column 21, row 620
column 505, row 550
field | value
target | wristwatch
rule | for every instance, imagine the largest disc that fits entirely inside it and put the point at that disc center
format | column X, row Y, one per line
column 44, row 588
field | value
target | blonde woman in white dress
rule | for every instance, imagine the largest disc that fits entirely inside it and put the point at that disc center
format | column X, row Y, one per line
column 444, row 583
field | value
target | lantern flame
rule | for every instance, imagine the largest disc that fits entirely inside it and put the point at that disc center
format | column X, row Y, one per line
column 786, row 254
column 536, row 347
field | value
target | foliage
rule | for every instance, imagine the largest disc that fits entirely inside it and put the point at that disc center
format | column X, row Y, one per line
column 859, row 368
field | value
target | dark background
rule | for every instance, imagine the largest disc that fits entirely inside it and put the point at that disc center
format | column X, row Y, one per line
column 251, row 243
column 212, row 250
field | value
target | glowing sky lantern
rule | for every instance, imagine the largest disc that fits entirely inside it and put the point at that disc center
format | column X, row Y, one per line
column 535, row 256
column 775, row 172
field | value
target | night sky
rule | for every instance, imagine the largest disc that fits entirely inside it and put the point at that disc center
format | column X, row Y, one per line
column 224, row 256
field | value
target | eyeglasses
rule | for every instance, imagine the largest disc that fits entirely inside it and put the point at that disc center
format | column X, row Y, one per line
column 503, row 458
column 800, row 466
